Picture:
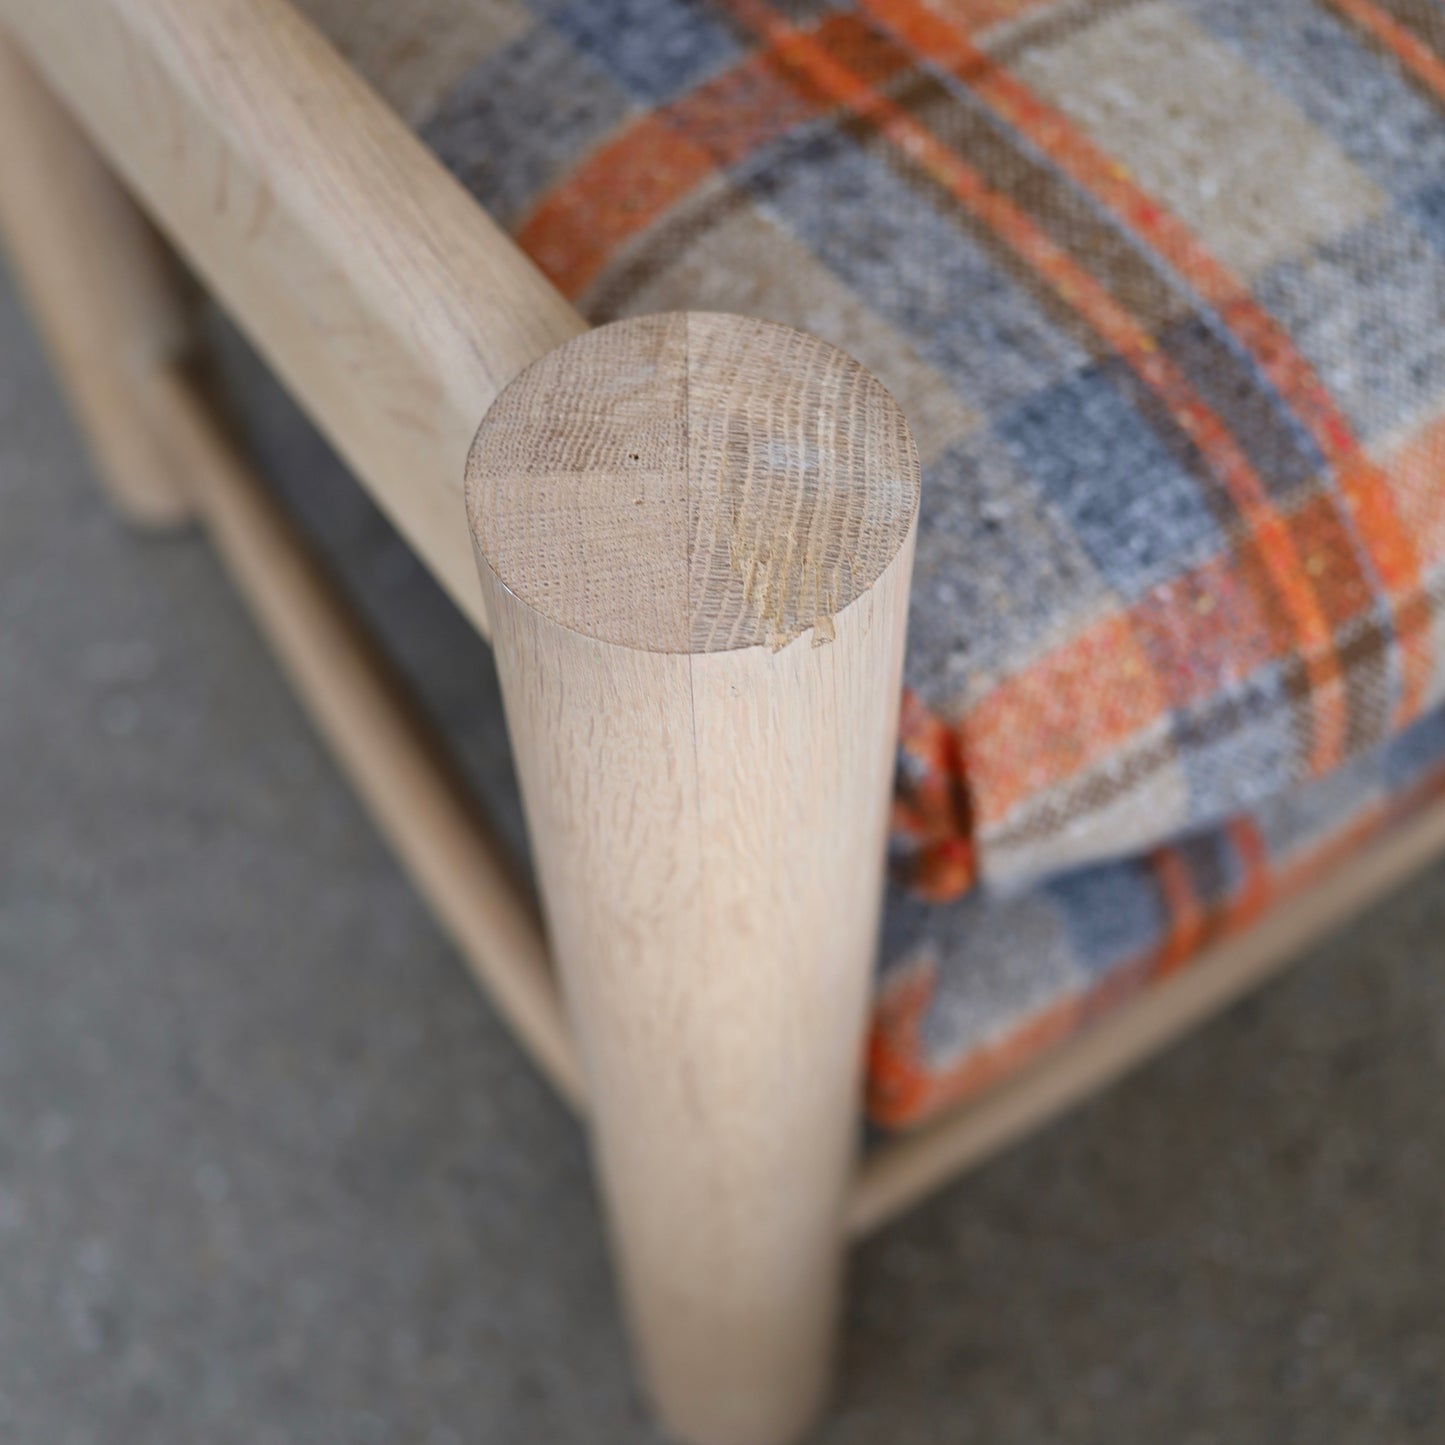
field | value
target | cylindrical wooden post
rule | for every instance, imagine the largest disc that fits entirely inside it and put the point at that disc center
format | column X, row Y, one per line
column 694, row 534
column 105, row 292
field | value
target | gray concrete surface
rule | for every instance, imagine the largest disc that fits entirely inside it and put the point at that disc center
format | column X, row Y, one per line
column 270, row 1171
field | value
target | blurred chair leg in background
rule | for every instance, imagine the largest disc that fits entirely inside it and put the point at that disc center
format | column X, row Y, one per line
column 107, row 296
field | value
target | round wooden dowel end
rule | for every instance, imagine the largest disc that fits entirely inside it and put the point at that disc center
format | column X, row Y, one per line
column 692, row 483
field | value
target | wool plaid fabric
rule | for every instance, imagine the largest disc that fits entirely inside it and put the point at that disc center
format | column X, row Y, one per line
column 1161, row 287
column 973, row 989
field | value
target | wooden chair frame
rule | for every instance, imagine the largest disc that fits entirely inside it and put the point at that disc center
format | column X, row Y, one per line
column 397, row 314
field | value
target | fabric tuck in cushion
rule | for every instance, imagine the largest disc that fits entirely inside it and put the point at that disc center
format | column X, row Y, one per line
column 1161, row 287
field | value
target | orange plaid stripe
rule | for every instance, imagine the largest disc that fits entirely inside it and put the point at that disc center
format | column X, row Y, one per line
column 659, row 159
column 1413, row 53
column 1188, row 918
column 1206, row 630
column 931, row 814
column 1414, row 472
column 1050, row 722
column 906, row 1086
column 1111, row 323
column 1381, row 533
column 616, row 193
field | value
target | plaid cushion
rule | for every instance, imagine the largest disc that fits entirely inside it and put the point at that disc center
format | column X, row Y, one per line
column 1161, row 287
column 971, row 990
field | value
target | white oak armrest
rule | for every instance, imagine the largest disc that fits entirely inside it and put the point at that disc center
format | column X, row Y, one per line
column 381, row 293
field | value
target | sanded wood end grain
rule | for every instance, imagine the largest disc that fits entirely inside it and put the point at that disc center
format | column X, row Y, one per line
column 692, row 483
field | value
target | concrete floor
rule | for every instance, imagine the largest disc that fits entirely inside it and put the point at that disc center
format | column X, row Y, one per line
column 270, row 1171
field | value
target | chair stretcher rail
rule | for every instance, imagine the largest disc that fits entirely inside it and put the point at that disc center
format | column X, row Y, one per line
column 386, row 749
column 899, row 1174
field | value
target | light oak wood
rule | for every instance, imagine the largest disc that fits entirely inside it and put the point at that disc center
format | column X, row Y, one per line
column 694, row 535
column 392, row 307
column 900, row 1174
column 389, row 753
column 106, row 295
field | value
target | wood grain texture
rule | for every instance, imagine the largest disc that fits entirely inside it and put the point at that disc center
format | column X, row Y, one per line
column 107, row 297
column 707, row 802
column 401, row 772
column 712, row 487
column 393, row 309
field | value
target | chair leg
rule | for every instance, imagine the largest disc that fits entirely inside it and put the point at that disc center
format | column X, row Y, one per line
column 694, row 535
column 107, row 296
